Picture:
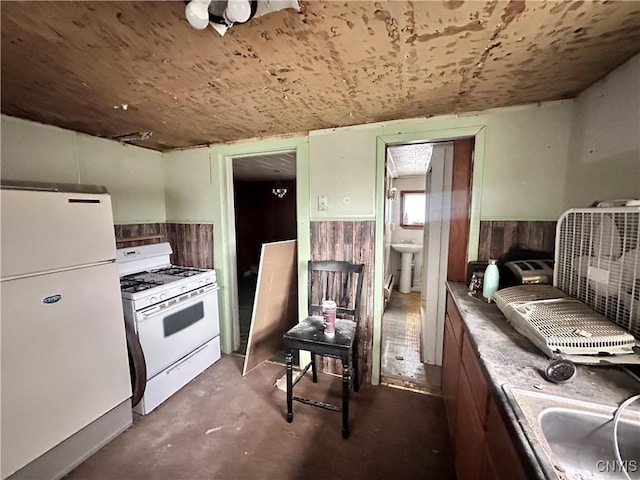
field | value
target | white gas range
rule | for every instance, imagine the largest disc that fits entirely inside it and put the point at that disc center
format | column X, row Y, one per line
column 174, row 311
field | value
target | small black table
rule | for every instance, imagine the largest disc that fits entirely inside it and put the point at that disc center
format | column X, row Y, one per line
column 309, row 335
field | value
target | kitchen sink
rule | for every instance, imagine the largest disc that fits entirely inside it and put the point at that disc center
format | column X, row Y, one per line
column 583, row 442
column 574, row 439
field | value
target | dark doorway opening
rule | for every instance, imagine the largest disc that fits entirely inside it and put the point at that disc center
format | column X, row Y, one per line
column 264, row 189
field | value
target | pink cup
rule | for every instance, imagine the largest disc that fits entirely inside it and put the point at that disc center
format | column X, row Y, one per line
column 329, row 314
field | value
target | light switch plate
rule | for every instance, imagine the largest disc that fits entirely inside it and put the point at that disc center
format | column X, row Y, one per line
column 323, row 203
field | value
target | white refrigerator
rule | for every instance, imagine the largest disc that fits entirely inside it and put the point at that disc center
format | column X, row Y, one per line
column 64, row 365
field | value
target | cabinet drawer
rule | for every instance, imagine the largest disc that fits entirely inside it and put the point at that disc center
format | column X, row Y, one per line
column 477, row 380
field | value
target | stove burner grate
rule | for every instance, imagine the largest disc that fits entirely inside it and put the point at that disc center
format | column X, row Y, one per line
column 131, row 284
column 180, row 271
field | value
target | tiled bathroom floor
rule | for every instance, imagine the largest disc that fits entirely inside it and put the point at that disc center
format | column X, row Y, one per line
column 401, row 364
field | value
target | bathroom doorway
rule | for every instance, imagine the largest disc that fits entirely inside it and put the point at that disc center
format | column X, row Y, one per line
column 418, row 215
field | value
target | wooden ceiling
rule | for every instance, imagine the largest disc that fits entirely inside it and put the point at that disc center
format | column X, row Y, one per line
column 275, row 166
column 117, row 68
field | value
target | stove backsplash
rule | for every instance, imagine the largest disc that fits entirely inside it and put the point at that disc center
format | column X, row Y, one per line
column 192, row 243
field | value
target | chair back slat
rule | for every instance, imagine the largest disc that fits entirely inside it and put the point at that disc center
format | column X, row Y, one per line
column 339, row 281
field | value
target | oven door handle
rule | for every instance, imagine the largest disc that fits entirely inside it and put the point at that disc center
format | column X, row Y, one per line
column 154, row 310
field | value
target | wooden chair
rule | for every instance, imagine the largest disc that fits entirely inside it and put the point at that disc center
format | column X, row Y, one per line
column 341, row 282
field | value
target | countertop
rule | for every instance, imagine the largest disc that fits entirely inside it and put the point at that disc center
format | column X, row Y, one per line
column 511, row 360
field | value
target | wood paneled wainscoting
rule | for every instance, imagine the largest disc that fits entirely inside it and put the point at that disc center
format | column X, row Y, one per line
column 134, row 234
column 497, row 237
column 192, row 243
column 354, row 242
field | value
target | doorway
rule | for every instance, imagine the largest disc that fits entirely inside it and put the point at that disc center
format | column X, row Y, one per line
column 411, row 340
column 264, row 193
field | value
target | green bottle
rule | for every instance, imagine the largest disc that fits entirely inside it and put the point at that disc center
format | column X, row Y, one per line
column 491, row 280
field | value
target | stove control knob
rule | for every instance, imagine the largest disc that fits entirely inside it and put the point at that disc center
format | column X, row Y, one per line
column 201, row 283
column 153, row 300
column 183, row 289
column 163, row 296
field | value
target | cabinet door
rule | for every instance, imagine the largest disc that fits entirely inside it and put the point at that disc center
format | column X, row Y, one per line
column 469, row 436
column 476, row 377
column 450, row 376
column 507, row 463
column 488, row 467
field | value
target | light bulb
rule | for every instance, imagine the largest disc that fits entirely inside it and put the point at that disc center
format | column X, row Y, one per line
column 197, row 13
column 237, row 11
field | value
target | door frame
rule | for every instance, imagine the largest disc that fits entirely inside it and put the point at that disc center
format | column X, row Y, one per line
column 224, row 231
column 428, row 136
column 435, row 257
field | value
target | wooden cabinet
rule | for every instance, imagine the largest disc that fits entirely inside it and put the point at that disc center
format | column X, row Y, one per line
column 482, row 446
column 488, row 466
column 501, row 447
column 469, row 444
column 477, row 381
column 451, row 367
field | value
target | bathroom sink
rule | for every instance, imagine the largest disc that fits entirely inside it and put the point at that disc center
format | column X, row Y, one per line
column 406, row 247
column 573, row 439
column 406, row 260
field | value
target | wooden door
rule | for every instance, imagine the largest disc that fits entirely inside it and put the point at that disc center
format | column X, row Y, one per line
column 460, row 209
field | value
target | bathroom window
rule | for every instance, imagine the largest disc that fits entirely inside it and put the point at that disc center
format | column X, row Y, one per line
column 412, row 203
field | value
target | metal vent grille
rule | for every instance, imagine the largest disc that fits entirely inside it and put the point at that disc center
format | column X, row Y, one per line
column 573, row 328
column 598, row 262
column 559, row 324
column 526, row 293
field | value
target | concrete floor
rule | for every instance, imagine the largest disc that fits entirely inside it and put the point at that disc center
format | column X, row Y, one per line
column 401, row 361
column 223, row 426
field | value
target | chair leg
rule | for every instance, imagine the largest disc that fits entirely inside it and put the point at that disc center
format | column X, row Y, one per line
column 356, row 371
column 314, row 371
column 345, row 397
column 289, row 360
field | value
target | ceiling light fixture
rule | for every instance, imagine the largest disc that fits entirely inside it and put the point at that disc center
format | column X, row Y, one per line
column 197, row 13
column 237, row 11
column 221, row 14
column 279, row 192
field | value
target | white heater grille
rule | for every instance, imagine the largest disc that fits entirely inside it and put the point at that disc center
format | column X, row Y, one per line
column 598, row 262
column 559, row 324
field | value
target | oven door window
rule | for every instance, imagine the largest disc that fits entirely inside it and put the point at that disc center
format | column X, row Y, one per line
column 184, row 318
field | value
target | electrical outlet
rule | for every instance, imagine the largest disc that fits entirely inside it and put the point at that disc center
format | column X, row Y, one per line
column 323, row 203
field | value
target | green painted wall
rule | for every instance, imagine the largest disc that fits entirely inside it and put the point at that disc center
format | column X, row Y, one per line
column 134, row 176
column 343, row 168
column 605, row 143
column 199, row 187
column 189, row 192
column 525, row 164
column 522, row 149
